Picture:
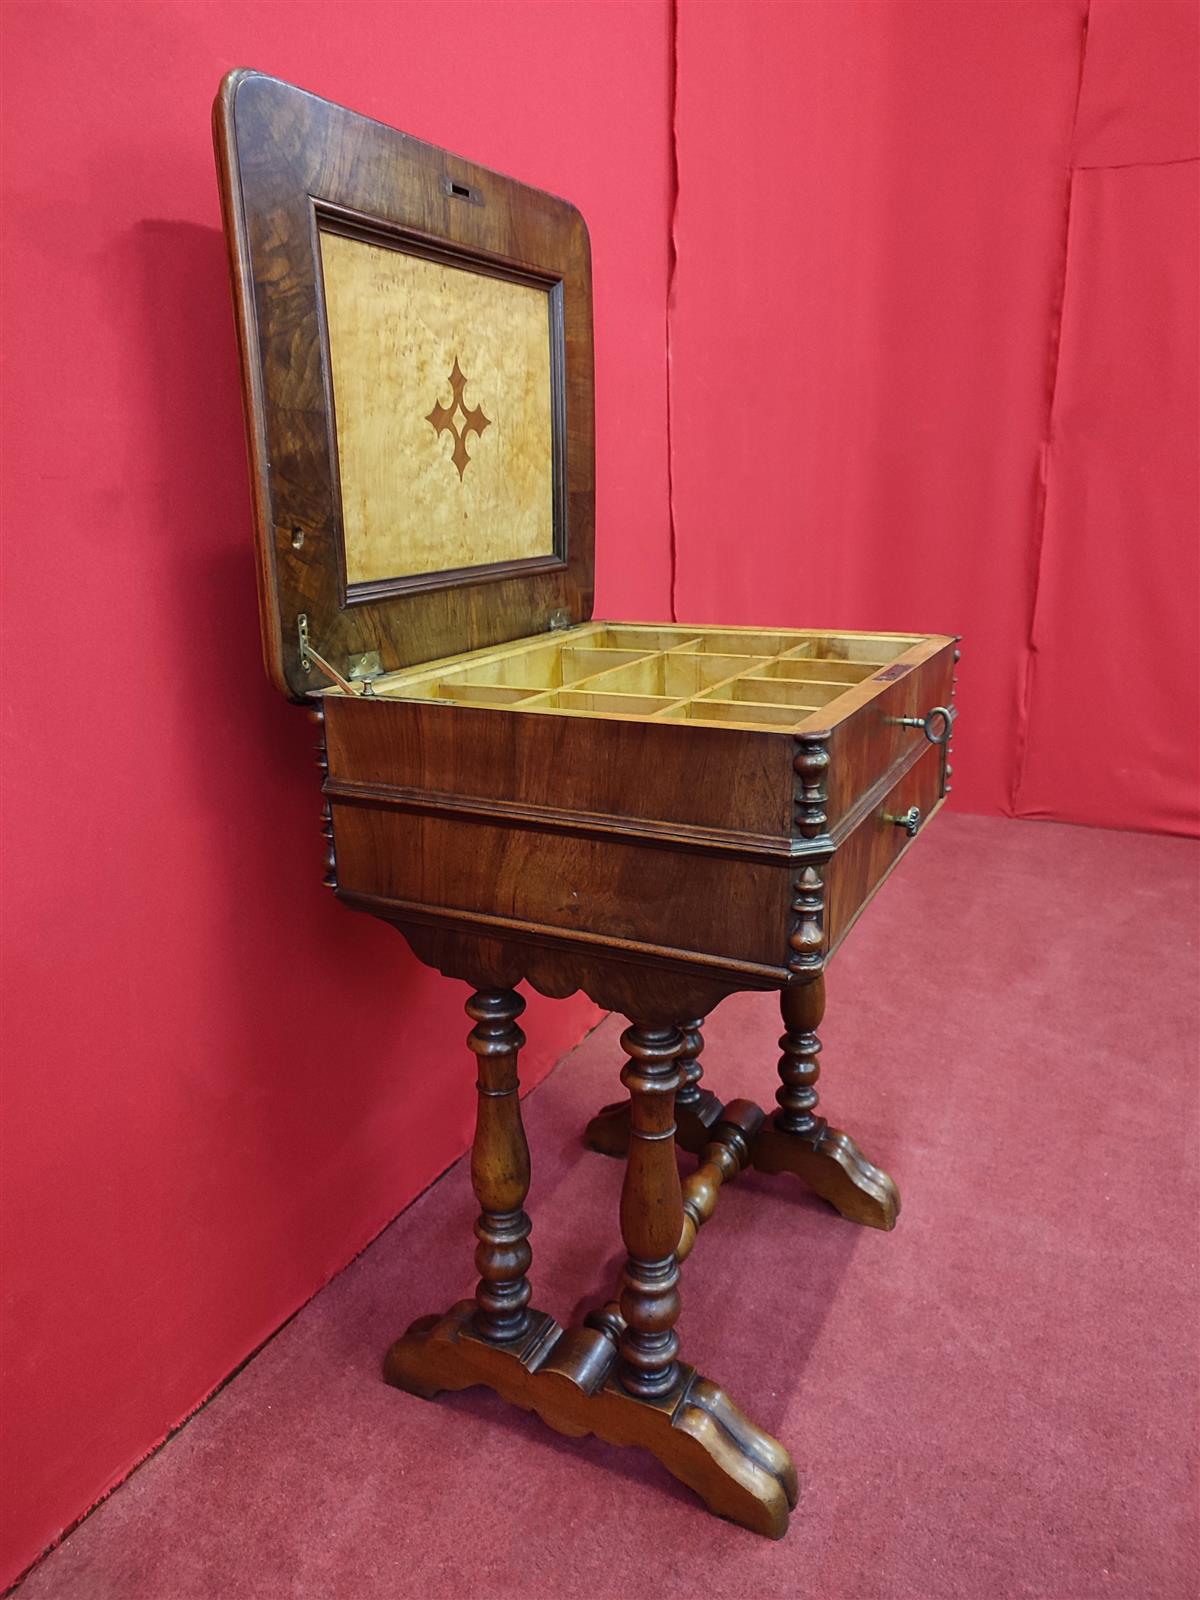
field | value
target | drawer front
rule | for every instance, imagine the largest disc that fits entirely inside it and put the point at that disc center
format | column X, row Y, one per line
column 867, row 743
column 674, row 773
column 866, row 856
column 607, row 894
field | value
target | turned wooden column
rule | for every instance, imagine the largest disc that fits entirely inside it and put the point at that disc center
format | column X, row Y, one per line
column 690, row 1071
column 500, row 1168
column 697, row 1110
column 803, row 1006
column 651, row 1213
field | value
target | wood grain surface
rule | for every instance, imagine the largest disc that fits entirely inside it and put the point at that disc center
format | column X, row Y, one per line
column 398, row 326
column 292, row 167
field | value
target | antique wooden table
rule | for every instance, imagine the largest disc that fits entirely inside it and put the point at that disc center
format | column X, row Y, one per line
column 659, row 815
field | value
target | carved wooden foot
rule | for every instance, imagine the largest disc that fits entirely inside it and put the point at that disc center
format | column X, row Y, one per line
column 834, row 1167
column 796, row 1140
column 569, row 1378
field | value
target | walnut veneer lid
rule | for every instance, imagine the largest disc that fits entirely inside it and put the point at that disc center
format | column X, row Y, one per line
column 416, row 343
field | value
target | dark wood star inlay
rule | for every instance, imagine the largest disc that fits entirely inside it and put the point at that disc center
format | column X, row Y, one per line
column 443, row 419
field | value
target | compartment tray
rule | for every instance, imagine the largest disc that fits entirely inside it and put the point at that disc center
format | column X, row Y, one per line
column 720, row 676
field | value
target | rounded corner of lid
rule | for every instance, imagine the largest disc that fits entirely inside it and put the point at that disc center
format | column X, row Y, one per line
column 227, row 89
column 580, row 225
column 238, row 80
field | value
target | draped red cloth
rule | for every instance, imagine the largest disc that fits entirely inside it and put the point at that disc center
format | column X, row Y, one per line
column 934, row 365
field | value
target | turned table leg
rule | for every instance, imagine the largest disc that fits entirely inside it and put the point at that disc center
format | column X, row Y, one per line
column 696, row 1109
column 500, row 1167
column 618, row 1375
column 499, row 1317
column 796, row 1139
column 655, row 1400
column 799, row 1141
column 651, row 1213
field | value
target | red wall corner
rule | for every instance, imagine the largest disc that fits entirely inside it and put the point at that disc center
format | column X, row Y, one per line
column 218, row 1084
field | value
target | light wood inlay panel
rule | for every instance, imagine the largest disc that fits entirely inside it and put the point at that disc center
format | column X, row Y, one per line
column 405, row 335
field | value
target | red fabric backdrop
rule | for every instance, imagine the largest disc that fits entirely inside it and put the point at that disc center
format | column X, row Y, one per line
column 933, row 364
column 930, row 367
column 218, row 1084
column 1111, row 727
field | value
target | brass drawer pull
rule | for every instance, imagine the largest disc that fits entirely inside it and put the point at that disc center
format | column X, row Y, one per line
column 909, row 820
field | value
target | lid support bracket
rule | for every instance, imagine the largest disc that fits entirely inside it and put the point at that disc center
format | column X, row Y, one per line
column 310, row 658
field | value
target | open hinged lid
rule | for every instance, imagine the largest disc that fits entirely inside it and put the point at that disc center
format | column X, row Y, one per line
column 416, row 342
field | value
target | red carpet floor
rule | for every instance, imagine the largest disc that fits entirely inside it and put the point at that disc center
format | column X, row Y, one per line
column 999, row 1399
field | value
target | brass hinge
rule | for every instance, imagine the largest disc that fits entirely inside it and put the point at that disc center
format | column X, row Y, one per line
column 361, row 669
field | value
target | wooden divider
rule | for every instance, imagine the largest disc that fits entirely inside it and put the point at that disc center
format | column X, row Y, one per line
column 739, row 677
